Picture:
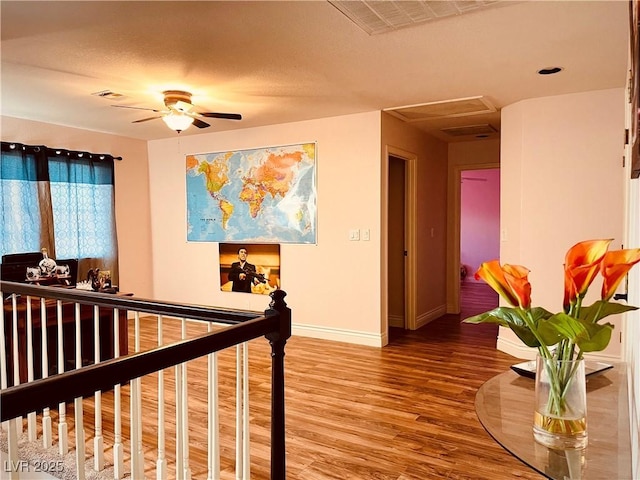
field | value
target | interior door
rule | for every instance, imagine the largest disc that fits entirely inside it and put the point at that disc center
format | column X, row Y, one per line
column 396, row 243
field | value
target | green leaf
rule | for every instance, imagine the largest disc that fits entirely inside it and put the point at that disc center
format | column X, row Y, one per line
column 597, row 337
column 564, row 325
column 493, row 316
column 601, row 309
column 525, row 334
column 548, row 333
column 539, row 313
column 512, row 318
column 588, row 336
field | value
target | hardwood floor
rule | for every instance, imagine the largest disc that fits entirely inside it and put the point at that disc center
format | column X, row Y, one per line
column 402, row 412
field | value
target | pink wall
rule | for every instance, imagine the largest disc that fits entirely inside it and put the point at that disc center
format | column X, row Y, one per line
column 479, row 218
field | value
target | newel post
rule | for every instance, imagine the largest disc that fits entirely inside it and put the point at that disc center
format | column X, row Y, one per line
column 278, row 340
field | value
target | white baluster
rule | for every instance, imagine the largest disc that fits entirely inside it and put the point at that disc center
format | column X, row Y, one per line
column 32, row 427
column 133, row 428
column 98, row 440
column 239, row 423
column 14, row 462
column 246, row 448
column 47, row 436
column 185, row 412
column 179, row 426
column 161, row 462
column 16, row 355
column 137, row 454
column 118, row 449
column 213, row 426
column 78, row 410
column 63, row 440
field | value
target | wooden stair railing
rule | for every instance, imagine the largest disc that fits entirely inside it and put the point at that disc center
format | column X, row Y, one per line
column 237, row 328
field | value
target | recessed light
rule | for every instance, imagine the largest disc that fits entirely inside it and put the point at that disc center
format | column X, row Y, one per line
column 549, row 70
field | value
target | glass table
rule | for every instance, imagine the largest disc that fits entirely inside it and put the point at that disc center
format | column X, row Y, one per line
column 504, row 405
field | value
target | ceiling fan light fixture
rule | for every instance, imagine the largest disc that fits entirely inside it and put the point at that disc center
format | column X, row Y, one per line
column 177, row 121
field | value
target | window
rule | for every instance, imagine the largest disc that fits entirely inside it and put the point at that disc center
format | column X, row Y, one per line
column 60, row 200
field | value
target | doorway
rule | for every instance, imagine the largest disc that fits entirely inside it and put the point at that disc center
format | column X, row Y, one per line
column 456, row 172
column 479, row 235
column 399, row 243
column 396, row 243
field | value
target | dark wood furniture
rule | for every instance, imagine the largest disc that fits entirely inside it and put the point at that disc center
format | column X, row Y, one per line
column 14, row 269
column 505, row 404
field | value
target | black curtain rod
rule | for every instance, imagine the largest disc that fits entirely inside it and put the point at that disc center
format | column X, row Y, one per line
column 8, row 146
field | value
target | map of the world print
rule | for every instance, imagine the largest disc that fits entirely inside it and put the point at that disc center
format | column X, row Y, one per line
column 259, row 195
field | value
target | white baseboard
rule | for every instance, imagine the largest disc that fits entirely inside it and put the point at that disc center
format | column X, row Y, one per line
column 328, row 333
column 424, row 318
column 519, row 350
column 341, row 335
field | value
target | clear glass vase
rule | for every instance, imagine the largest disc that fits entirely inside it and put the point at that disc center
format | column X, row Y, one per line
column 560, row 418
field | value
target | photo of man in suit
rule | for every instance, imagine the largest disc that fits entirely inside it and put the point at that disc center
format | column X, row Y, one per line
column 242, row 273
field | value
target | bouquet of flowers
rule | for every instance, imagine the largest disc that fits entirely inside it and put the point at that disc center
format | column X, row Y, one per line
column 564, row 336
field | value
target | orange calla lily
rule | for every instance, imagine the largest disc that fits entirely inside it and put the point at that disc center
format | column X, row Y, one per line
column 614, row 267
column 581, row 265
column 510, row 281
column 517, row 277
column 570, row 293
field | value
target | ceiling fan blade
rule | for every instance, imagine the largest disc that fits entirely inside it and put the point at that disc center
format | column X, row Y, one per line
column 200, row 124
column 226, row 116
column 137, row 108
column 147, row 119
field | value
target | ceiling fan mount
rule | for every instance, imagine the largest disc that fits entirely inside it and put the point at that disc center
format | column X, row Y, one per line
column 172, row 97
column 178, row 106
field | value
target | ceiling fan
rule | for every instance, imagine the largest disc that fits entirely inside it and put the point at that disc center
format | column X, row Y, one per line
column 179, row 113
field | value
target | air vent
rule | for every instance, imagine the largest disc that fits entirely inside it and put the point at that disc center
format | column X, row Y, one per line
column 460, row 107
column 467, row 130
column 381, row 17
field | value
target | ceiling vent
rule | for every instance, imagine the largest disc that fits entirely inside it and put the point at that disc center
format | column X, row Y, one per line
column 475, row 130
column 460, row 107
column 381, row 17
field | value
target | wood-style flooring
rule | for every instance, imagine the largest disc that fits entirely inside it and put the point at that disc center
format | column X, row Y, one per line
column 405, row 411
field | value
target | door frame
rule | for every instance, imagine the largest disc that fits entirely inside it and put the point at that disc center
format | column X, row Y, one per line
column 454, row 212
column 410, row 238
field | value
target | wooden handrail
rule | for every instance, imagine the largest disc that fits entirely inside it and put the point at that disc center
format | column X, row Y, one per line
column 48, row 392
column 143, row 305
column 242, row 326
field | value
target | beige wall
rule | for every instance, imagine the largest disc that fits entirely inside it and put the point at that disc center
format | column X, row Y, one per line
column 462, row 156
column 431, row 212
column 131, row 184
column 333, row 287
column 562, row 182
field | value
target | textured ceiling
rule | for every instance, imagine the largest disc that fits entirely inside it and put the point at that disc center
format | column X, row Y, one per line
column 277, row 61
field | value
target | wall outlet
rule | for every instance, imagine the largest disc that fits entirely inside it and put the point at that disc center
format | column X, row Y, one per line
column 366, row 235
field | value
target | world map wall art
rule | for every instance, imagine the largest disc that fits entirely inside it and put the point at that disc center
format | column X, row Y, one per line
column 258, row 195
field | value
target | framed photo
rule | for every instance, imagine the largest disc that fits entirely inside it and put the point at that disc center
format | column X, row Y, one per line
column 249, row 267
